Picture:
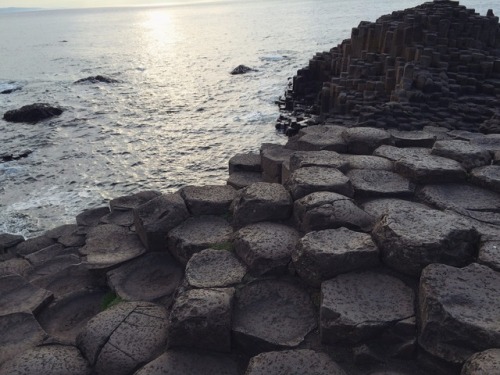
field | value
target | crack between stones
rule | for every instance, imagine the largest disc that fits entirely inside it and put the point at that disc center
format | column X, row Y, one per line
column 109, row 336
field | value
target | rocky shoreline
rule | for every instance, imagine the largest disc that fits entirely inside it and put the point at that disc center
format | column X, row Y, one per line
column 357, row 248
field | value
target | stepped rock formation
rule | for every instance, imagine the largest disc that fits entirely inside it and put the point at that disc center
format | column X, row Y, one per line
column 350, row 250
column 436, row 63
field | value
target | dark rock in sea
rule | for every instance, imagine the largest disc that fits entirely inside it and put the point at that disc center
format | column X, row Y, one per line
column 32, row 113
column 96, row 79
column 242, row 69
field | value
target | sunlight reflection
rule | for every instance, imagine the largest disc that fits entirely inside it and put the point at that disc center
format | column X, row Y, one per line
column 160, row 27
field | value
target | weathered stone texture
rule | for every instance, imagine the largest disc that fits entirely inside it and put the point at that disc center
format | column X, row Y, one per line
column 197, row 234
column 201, row 318
column 261, row 201
column 459, row 311
column 325, row 254
column 266, row 248
column 270, row 314
column 326, row 210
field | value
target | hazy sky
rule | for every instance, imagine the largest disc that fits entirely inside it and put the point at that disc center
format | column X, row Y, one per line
column 86, row 3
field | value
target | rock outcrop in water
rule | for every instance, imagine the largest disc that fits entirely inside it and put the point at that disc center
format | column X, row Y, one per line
column 32, row 113
column 242, row 69
column 350, row 251
column 436, row 64
column 96, row 79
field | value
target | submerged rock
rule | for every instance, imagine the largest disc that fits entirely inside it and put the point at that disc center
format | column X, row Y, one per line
column 32, row 113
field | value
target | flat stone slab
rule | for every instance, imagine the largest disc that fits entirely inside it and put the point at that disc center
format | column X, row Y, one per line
column 271, row 314
column 308, row 180
column 32, row 245
column 328, row 159
column 18, row 295
column 214, row 268
column 119, row 339
column 368, row 162
column 488, row 177
column 239, row 180
column 394, row 153
column 324, row 254
column 414, row 138
column 489, row 254
column 201, row 318
column 46, row 254
column 261, row 201
column 490, row 142
column 427, row 169
column 117, row 217
column 20, row 332
column 209, row 199
column 248, row 162
column 299, row 361
column 317, row 138
column 175, row 362
column 468, row 155
column 357, row 307
column 380, row 183
column 92, row 217
column 48, row 360
column 68, row 280
column 151, row 277
column 68, row 235
column 272, row 157
column 109, row 245
column 66, row 317
column 129, row 202
column 467, row 200
column 56, row 264
column 266, row 248
column 459, row 311
column 154, row 219
column 326, row 210
column 16, row 266
column 364, row 140
column 410, row 237
column 197, row 234
column 483, row 363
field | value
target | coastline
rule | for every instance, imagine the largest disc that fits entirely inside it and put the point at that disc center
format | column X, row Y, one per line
column 357, row 248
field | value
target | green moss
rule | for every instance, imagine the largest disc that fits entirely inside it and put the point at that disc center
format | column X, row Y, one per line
column 228, row 246
column 109, row 300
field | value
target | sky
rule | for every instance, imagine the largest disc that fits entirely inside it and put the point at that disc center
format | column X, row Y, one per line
column 87, row 3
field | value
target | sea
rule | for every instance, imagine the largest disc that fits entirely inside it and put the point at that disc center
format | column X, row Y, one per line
column 175, row 117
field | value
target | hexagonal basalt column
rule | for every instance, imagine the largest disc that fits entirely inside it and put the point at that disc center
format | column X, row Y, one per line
column 459, row 311
column 197, row 234
column 201, row 318
column 266, row 248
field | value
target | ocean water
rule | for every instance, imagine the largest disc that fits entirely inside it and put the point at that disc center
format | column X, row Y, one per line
column 176, row 116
